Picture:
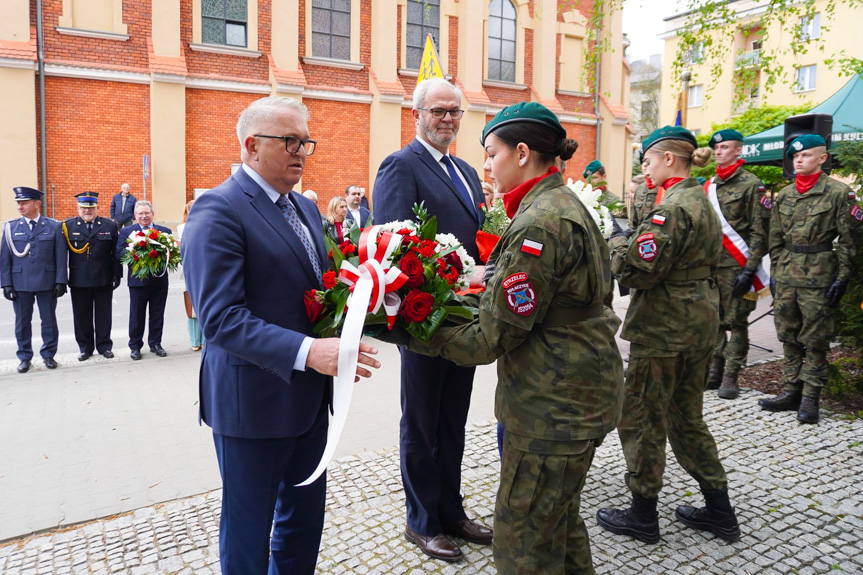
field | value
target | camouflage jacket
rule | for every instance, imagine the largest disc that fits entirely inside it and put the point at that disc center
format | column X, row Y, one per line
column 679, row 240
column 559, row 379
column 747, row 210
column 815, row 218
column 642, row 204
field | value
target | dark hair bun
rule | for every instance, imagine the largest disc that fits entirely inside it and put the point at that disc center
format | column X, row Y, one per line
column 568, row 146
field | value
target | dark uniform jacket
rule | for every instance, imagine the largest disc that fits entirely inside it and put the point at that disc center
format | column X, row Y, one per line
column 44, row 266
column 642, row 204
column 747, row 210
column 121, row 213
column 97, row 265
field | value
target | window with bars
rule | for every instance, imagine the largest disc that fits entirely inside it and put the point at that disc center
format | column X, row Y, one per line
column 331, row 29
column 423, row 18
column 501, row 40
column 224, row 22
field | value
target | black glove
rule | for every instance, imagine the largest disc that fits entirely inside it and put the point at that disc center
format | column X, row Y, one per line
column 835, row 292
column 9, row 293
column 742, row 283
column 59, row 290
column 773, row 287
column 115, row 283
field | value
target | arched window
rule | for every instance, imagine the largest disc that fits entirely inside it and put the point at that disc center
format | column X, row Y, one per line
column 501, row 40
column 423, row 18
column 224, row 22
column 331, row 29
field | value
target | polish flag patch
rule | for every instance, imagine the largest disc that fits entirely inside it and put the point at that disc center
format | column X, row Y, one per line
column 851, row 195
column 659, row 220
column 531, row 247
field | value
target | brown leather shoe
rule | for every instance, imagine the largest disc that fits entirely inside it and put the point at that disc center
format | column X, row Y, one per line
column 437, row 547
column 470, row 531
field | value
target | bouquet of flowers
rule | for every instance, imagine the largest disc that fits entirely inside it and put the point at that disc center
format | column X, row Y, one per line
column 416, row 270
column 496, row 222
column 591, row 198
column 151, row 253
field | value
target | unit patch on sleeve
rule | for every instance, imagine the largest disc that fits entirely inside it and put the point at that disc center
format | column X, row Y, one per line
column 766, row 203
column 857, row 213
column 531, row 247
column 658, row 219
column 520, row 295
column 646, row 247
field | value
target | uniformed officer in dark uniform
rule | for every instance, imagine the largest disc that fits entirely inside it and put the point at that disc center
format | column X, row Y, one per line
column 33, row 268
column 94, row 271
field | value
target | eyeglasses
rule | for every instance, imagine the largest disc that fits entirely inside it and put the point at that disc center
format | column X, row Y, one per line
column 439, row 113
column 293, row 145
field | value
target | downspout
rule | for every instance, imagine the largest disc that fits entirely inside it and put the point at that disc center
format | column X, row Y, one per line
column 596, row 85
column 40, row 56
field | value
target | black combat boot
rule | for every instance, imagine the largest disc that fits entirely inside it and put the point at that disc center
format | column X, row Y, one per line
column 808, row 412
column 729, row 388
column 785, row 401
column 717, row 516
column 714, row 379
column 640, row 521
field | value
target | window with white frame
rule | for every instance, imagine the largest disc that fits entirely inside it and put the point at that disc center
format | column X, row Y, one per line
column 501, row 40
column 423, row 18
column 695, row 96
column 805, row 78
column 810, row 27
column 224, row 22
column 331, row 29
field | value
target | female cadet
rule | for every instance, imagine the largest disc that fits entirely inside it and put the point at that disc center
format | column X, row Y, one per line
column 670, row 321
column 559, row 369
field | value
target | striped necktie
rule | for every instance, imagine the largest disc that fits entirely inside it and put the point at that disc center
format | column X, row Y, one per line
column 290, row 215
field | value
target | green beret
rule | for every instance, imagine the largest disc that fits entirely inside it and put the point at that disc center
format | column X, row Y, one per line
column 804, row 142
column 523, row 112
column 591, row 168
column 668, row 133
column 725, row 136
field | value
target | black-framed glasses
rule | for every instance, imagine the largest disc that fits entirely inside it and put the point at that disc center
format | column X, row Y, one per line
column 293, row 145
column 439, row 113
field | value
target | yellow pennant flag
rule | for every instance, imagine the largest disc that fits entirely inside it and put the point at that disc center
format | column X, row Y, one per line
column 430, row 65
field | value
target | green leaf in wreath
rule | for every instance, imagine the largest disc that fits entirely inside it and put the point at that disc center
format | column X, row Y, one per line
column 429, row 229
column 461, row 312
column 423, row 331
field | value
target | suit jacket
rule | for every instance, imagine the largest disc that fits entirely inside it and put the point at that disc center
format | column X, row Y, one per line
column 44, row 266
column 411, row 176
column 100, row 264
column 247, row 273
column 364, row 216
column 119, row 214
column 132, row 281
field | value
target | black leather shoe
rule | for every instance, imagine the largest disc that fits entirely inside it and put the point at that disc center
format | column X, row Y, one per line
column 159, row 351
column 50, row 363
column 723, row 525
column 84, row 356
column 469, row 531
column 107, row 354
column 136, row 354
column 437, row 547
column 24, row 366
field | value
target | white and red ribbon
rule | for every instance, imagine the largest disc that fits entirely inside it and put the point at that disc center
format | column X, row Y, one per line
column 373, row 284
column 736, row 246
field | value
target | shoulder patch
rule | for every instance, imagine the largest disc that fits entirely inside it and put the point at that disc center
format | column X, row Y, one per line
column 658, row 219
column 857, row 213
column 646, row 247
column 519, row 293
column 531, row 247
column 644, row 237
column 766, row 203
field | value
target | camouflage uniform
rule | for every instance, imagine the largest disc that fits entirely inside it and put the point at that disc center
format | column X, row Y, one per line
column 742, row 201
column 804, row 322
column 642, row 204
column 671, row 321
column 559, row 370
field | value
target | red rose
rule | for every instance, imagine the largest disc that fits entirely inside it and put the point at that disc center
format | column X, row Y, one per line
column 135, row 257
column 482, row 206
column 416, row 306
column 154, row 254
column 347, row 248
column 142, row 244
column 329, row 279
column 315, row 307
column 154, row 234
column 412, row 267
column 453, row 260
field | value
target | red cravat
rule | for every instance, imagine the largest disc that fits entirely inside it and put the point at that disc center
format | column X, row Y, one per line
column 806, row 183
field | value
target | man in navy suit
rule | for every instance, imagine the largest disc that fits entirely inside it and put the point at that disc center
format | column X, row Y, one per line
column 143, row 293
column 33, row 268
column 356, row 212
column 123, row 207
column 435, row 393
column 252, row 248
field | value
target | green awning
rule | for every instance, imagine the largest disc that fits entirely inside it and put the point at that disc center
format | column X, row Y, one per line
column 846, row 107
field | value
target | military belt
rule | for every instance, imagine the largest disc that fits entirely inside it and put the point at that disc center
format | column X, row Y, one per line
column 562, row 317
column 688, row 275
column 810, row 249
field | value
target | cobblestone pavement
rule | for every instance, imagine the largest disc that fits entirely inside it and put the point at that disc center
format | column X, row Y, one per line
column 796, row 489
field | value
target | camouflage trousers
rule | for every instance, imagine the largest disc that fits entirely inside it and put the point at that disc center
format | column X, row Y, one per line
column 663, row 398
column 537, row 526
column 805, row 325
column 731, row 354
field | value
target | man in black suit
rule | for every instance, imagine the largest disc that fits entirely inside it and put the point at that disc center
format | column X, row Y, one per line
column 94, row 272
column 152, row 292
column 123, row 207
column 357, row 213
column 435, row 393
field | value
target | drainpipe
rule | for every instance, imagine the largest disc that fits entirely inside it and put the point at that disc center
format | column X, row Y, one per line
column 596, row 86
column 40, row 55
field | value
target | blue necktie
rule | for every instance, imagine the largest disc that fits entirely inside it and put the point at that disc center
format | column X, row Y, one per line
column 290, row 215
column 459, row 185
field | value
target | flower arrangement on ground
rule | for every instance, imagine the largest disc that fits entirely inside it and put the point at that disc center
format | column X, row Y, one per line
column 496, row 222
column 591, row 198
column 416, row 271
column 151, row 253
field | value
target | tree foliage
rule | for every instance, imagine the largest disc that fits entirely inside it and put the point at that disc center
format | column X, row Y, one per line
column 850, row 157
